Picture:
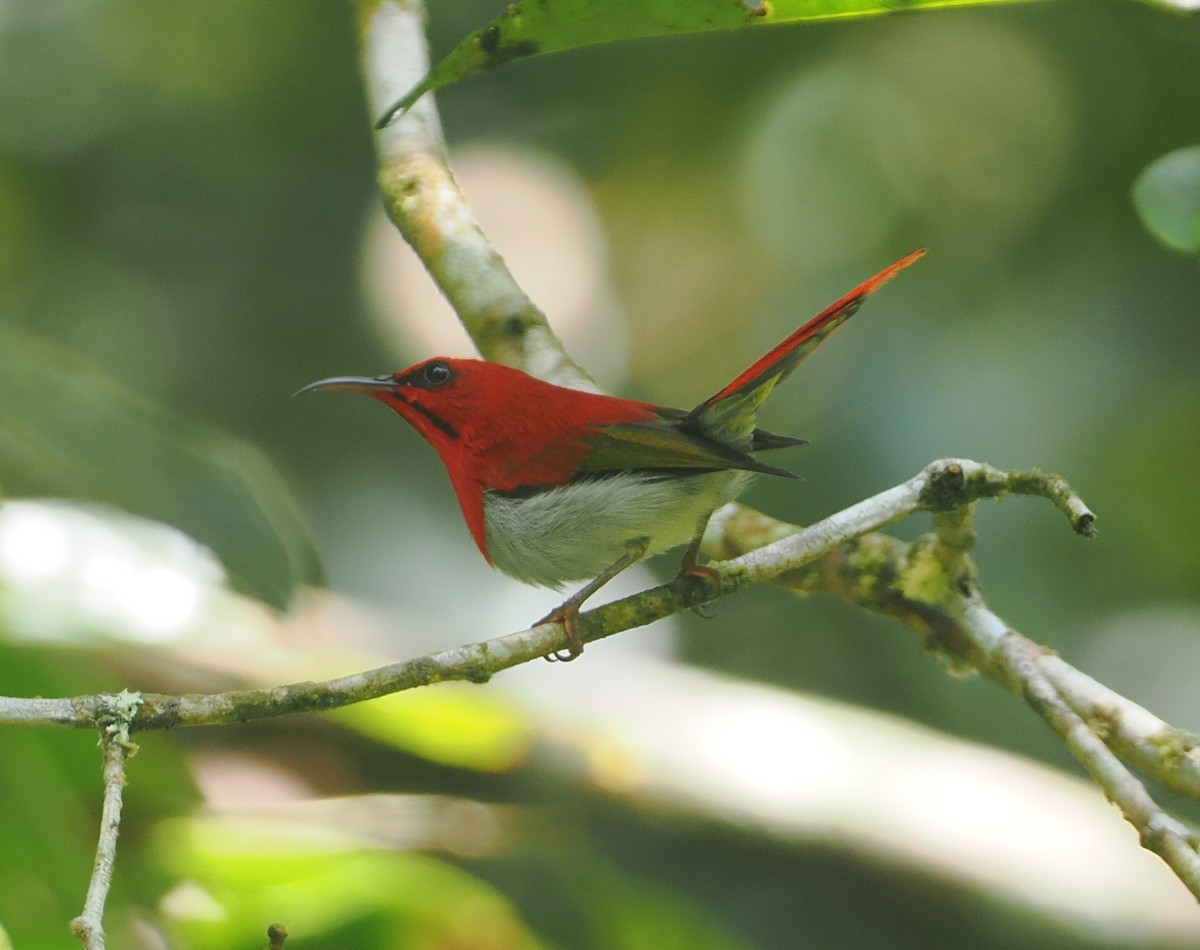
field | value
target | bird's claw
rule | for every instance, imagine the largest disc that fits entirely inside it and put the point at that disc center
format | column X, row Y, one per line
column 702, row 572
column 566, row 614
column 691, row 567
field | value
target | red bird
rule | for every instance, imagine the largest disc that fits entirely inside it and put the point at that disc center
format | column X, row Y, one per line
column 559, row 485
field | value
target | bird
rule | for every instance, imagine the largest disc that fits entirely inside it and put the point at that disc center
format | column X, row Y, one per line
column 559, row 485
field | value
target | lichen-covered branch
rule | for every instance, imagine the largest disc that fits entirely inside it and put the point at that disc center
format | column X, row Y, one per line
column 1169, row 755
column 929, row 584
column 903, row 580
column 1167, row 837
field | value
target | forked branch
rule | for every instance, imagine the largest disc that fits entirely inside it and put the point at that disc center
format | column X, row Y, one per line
column 114, row 719
column 928, row 584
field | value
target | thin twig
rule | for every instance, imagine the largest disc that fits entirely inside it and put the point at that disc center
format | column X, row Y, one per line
column 114, row 721
column 944, row 485
column 19, row 710
column 276, row 935
column 1170, row 756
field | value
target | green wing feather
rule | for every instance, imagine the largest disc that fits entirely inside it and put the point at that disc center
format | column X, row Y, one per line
column 651, row 446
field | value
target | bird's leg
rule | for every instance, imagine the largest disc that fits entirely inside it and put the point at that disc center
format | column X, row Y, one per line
column 690, row 565
column 691, row 561
column 567, row 613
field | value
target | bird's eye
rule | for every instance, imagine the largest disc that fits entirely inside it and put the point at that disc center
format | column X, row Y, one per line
column 436, row 374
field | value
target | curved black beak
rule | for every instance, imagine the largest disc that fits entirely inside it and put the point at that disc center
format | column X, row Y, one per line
column 353, row 384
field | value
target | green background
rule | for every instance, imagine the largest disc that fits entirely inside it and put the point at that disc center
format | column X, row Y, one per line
column 186, row 190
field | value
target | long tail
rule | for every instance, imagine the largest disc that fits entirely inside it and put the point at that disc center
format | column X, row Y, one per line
column 730, row 413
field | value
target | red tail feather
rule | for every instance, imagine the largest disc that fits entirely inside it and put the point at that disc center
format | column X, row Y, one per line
column 793, row 349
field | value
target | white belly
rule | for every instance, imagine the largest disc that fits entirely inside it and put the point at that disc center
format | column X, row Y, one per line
column 575, row 532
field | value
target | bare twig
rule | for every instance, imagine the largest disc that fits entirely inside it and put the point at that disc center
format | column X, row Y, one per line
column 946, row 485
column 114, row 721
column 19, row 710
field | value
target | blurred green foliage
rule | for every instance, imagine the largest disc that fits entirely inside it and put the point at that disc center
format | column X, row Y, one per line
column 71, row 431
column 1167, row 196
column 184, row 193
column 342, row 893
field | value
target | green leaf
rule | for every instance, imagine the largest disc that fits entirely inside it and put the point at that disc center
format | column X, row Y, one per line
column 1167, row 198
column 67, row 430
column 532, row 27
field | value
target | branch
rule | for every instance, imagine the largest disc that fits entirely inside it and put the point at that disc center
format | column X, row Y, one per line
column 947, row 485
column 1168, row 755
column 930, row 585
column 114, row 721
column 425, row 203
column 942, row 483
column 1167, row 837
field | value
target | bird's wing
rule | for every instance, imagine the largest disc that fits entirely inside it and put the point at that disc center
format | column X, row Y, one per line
column 651, row 446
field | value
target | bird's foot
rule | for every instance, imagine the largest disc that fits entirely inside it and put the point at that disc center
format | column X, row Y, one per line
column 710, row 574
column 690, row 566
column 568, row 615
